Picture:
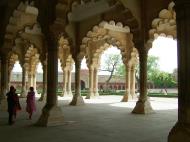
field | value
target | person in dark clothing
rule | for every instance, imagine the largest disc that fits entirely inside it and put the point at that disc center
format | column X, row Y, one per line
column 17, row 106
column 11, row 95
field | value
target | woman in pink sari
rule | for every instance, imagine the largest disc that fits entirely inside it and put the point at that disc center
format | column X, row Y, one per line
column 30, row 107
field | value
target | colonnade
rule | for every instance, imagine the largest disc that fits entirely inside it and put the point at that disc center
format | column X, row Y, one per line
column 93, row 83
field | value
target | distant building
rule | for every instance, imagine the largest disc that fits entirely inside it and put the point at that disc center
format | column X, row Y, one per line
column 116, row 83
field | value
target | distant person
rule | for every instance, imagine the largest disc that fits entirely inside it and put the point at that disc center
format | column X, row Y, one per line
column 12, row 100
column 30, row 107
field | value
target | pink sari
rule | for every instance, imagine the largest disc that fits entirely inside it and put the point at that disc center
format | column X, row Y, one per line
column 30, row 107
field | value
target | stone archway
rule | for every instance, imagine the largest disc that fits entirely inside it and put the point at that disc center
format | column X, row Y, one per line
column 98, row 40
column 164, row 25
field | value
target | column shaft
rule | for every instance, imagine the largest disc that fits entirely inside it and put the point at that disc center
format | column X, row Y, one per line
column 143, row 105
column 4, row 76
column 77, row 98
column 132, row 90
column 69, row 91
column 65, row 76
column 95, row 82
column 91, row 74
column 23, row 93
column 180, row 132
column 127, row 84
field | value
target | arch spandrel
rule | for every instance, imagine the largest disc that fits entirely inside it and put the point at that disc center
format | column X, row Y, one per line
column 25, row 14
column 164, row 25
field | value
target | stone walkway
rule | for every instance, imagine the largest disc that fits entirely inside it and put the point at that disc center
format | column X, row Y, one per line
column 100, row 120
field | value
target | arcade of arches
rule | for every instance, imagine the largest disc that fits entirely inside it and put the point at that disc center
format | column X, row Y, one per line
column 69, row 30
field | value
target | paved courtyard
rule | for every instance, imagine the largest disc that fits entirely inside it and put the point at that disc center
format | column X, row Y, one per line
column 100, row 120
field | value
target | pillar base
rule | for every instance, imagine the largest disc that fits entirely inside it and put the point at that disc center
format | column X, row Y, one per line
column 69, row 94
column 143, row 107
column 179, row 133
column 51, row 116
column 77, row 100
column 96, row 94
column 64, row 94
column 126, row 98
column 3, row 105
column 90, row 95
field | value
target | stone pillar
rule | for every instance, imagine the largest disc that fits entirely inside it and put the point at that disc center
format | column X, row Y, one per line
column 0, row 79
column 4, row 83
column 30, row 83
column 128, row 83
column 4, row 76
column 143, row 105
column 44, row 91
column 34, row 81
column 91, row 74
column 23, row 92
column 69, row 91
column 132, row 90
column 51, row 113
column 9, row 76
column 65, row 76
column 180, row 132
column 91, row 83
column 96, row 94
column 77, row 98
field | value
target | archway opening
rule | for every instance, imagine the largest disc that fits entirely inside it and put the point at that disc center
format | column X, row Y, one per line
column 16, row 77
column 162, row 67
column 111, row 75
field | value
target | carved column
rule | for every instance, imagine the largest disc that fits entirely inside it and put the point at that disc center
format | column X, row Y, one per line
column 4, row 83
column 91, row 74
column 65, row 76
column 143, row 105
column 4, row 76
column 44, row 91
column 34, row 81
column 132, row 90
column 69, row 91
column 0, row 77
column 128, row 83
column 23, row 92
column 77, row 98
column 181, row 131
column 96, row 82
column 30, row 83
column 51, row 113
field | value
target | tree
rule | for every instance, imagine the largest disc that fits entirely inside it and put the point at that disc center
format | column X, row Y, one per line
column 111, row 64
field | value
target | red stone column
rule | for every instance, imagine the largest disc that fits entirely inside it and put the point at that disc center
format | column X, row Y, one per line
column 181, row 131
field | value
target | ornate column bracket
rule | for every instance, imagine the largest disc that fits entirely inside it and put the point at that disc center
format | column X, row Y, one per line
column 181, row 131
column 143, row 105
